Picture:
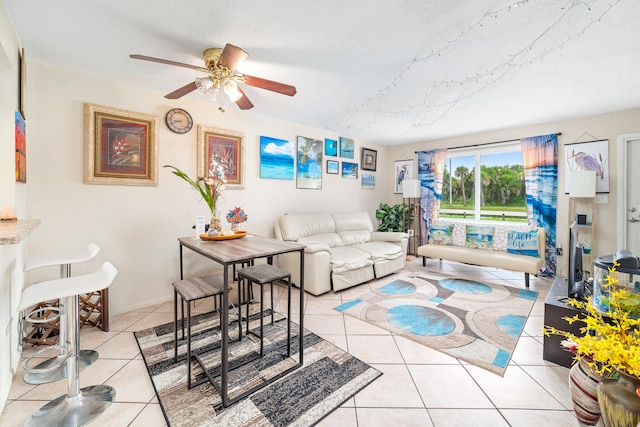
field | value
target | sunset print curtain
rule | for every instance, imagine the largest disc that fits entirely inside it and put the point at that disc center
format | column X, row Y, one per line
column 540, row 159
column 430, row 174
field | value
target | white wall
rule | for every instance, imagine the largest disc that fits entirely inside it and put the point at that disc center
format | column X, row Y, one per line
column 137, row 227
column 605, row 126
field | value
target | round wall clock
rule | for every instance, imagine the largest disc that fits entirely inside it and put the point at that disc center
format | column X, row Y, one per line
column 179, row 121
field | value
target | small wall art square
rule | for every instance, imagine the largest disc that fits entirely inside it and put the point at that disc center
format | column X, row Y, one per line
column 368, row 181
column 333, row 167
column 349, row 170
column 21, row 149
column 585, row 156
column 277, row 158
column 347, row 147
column 309, row 173
column 330, row 147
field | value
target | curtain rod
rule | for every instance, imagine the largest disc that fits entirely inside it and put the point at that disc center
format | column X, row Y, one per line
column 488, row 143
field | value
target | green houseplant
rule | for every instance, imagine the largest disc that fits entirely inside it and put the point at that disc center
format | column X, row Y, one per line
column 392, row 218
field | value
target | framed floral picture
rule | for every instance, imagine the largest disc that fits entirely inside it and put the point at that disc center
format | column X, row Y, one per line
column 120, row 147
column 226, row 147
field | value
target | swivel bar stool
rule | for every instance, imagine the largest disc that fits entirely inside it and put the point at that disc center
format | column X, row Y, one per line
column 54, row 369
column 78, row 406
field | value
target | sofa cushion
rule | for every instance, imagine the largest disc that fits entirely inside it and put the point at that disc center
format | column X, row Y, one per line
column 380, row 251
column 479, row 237
column 294, row 226
column 330, row 239
column 500, row 234
column 354, row 237
column 441, row 234
column 523, row 242
column 345, row 258
column 352, row 221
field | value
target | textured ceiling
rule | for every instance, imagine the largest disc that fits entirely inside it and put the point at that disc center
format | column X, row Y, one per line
column 387, row 71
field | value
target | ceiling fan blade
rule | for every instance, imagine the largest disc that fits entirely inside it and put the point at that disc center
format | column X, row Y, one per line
column 179, row 93
column 232, row 56
column 243, row 102
column 270, row 85
column 166, row 61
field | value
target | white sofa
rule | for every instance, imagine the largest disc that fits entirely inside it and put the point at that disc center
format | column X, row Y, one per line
column 498, row 257
column 341, row 249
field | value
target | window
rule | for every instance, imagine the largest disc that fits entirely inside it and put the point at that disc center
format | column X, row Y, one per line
column 485, row 184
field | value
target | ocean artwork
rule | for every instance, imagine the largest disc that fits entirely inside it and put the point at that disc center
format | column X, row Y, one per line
column 276, row 158
column 368, row 181
column 309, row 173
column 349, row 170
column 347, row 147
column 540, row 159
column 330, row 147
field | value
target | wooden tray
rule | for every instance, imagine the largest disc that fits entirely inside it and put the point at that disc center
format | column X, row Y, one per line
column 237, row 235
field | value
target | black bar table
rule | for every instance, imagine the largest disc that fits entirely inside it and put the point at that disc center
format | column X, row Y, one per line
column 236, row 251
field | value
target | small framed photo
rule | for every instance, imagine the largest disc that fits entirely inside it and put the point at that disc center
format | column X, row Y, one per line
column 227, row 148
column 330, row 147
column 349, row 170
column 120, row 147
column 369, row 159
column 333, row 167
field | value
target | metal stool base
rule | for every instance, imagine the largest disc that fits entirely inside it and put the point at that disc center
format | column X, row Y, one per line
column 86, row 358
column 78, row 411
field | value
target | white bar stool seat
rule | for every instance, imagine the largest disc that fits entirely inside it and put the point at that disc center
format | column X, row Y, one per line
column 54, row 369
column 79, row 406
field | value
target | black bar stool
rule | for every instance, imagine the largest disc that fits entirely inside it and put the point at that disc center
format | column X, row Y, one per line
column 261, row 275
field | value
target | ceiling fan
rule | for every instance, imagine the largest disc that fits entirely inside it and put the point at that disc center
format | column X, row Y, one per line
column 220, row 64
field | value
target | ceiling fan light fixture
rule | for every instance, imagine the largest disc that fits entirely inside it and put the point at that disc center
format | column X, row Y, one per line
column 204, row 84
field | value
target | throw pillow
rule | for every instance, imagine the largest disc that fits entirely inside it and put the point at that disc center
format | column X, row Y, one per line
column 479, row 237
column 523, row 243
column 440, row 234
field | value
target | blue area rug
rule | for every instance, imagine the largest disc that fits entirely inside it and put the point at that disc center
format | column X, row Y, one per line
column 476, row 321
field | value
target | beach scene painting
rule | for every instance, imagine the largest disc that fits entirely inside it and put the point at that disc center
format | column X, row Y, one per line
column 368, row 181
column 330, row 147
column 349, row 170
column 347, row 147
column 309, row 173
column 276, row 158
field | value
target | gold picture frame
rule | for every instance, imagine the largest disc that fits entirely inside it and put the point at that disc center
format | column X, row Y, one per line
column 120, row 147
column 228, row 148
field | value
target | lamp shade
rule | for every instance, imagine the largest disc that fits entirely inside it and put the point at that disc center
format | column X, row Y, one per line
column 411, row 188
column 582, row 184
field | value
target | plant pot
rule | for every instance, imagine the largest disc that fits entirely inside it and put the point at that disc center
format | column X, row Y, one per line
column 619, row 401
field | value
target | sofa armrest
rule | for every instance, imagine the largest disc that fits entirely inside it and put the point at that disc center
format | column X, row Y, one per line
column 389, row 236
column 311, row 248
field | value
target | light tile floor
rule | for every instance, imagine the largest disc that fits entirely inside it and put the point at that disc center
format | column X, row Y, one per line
column 420, row 386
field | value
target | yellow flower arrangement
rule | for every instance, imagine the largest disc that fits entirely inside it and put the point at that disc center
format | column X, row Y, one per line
column 610, row 340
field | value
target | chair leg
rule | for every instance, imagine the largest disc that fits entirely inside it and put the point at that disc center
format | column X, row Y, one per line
column 261, row 320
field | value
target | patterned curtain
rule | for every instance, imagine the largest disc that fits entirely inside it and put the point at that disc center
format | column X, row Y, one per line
column 430, row 174
column 540, row 159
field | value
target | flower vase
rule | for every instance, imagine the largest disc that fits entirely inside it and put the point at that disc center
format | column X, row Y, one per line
column 235, row 226
column 619, row 401
column 215, row 224
column 583, row 385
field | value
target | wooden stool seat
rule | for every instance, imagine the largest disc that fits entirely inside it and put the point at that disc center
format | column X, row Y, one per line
column 193, row 289
column 262, row 274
